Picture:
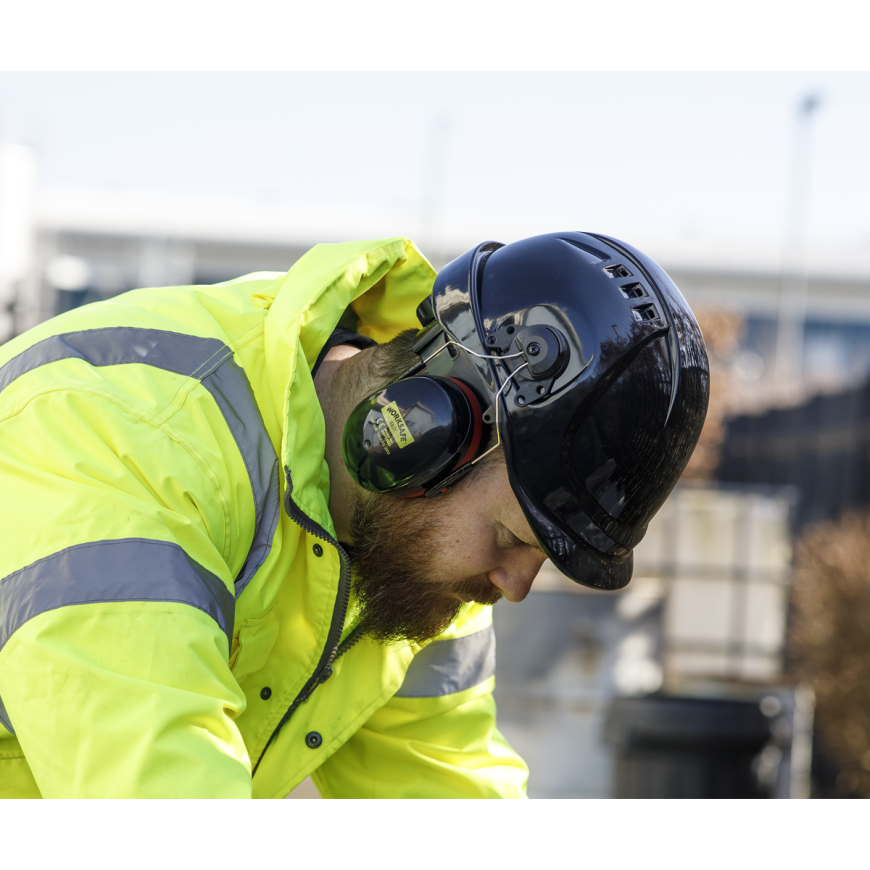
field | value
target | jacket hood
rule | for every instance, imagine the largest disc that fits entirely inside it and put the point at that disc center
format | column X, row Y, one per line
column 373, row 287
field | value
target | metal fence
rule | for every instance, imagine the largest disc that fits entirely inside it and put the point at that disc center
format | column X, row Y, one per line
column 822, row 448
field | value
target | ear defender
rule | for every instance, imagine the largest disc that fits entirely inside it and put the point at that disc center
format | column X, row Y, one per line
column 410, row 435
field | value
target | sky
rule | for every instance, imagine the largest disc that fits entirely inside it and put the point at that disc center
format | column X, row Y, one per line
column 697, row 155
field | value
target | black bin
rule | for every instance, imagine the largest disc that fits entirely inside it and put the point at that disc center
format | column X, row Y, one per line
column 675, row 747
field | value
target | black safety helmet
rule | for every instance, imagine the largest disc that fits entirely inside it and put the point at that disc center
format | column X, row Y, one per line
column 602, row 391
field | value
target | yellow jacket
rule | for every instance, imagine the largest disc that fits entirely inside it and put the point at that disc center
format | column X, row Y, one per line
column 172, row 597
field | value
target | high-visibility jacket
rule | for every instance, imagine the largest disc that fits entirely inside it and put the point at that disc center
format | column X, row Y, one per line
column 175, row 612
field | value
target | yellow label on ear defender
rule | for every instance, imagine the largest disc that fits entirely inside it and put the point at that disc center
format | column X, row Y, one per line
column 397, row 425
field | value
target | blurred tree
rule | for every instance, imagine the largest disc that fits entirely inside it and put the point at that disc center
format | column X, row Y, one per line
column 830, row 638
column 722, row 331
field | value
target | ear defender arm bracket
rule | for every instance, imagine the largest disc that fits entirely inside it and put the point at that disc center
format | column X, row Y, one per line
column 544, row 352
column 460, row 472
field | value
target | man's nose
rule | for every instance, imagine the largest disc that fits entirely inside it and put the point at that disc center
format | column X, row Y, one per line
column 514, row 578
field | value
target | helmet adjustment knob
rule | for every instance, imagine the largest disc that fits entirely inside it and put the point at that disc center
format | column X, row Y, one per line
column 544, row 349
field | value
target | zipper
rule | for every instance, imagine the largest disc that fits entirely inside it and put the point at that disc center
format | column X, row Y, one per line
column 351, row 640
column 332, row 649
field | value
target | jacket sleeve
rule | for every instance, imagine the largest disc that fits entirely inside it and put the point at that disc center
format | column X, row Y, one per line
column 115, row 607
column 437, row 736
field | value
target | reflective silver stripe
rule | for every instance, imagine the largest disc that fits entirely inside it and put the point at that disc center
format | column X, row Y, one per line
column 4, row 718
column 131, row 569
column 448, row 666
column 208, row 360
column 232, row 392
column 119, row 345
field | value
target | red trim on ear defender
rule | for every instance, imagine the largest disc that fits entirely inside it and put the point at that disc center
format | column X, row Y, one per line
column 477, row 432
column 478, row 423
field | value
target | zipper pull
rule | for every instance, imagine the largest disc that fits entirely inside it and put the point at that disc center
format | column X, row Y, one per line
column 325, row 674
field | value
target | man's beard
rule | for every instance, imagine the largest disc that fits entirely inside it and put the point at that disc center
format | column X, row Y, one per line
column 396, row 550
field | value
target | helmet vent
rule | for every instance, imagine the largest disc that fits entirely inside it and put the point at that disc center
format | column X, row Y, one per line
column 645, row 312
column 618, row 271
column 632, row 291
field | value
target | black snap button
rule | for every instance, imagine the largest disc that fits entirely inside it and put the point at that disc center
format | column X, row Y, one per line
column 313, row 740
column 318, row 550
column 265, row 693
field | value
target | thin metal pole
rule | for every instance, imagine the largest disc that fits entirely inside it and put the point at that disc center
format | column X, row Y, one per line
column 793, row 284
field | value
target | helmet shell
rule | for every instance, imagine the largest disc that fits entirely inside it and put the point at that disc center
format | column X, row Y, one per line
column 593, row 452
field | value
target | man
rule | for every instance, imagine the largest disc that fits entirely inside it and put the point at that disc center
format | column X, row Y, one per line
column 243, row 544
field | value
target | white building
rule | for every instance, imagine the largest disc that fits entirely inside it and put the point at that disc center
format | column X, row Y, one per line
column 80, row 246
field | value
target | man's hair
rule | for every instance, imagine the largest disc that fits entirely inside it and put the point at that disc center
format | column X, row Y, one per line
column 392, row 359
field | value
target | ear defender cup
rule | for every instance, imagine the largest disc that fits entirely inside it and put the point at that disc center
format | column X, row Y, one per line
column 411, row 434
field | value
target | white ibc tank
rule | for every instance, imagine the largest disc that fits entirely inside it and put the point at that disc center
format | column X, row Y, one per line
column 704, row 616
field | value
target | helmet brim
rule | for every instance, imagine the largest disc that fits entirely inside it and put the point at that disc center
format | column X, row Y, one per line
column 571, row 556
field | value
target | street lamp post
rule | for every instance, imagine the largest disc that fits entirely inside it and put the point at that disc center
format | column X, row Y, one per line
column 793, row 285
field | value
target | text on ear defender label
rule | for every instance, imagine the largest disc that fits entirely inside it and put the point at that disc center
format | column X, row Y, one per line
column 397, row 425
